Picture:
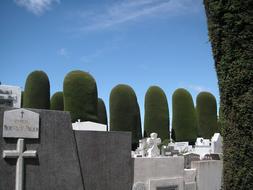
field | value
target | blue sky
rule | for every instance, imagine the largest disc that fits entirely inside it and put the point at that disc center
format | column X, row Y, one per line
column 135, row 42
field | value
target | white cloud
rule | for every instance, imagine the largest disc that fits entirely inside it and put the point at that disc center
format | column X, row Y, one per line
column 198, row 88
column 110, row 46
column 126, row 11
column 63, row 52
column 37, row 7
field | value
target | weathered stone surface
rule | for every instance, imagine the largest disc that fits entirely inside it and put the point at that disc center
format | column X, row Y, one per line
column 159, row 172
column 209, row 174
column 56, row 166
column 105, row 159
column 21, row 123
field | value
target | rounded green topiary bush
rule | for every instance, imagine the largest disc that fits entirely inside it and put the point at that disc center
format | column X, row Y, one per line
column 37, row 91
column 80, row 96
column 206, row 109
column 102, row 115
column 156, row 113
column 124, row 111
column 56, row 102
column 184, row 120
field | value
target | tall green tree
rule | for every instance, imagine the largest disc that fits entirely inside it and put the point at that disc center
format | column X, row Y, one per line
column 231, row 36
column 156, row 113
column 80, row 96
column 102, row 115
column 184, row 120
column 124, row 111
column 206, row 109
column 37, row 91
column 56, row 102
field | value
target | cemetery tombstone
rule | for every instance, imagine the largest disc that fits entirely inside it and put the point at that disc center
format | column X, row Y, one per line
column 10, row 96
column 188, row 158
column 152, row 143
column 20, row 124
column 34, row 152
column 216, row 143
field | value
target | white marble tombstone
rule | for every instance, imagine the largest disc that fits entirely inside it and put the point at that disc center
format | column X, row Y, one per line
column 216, row 143
column 142, row 147
column 152, row 143
column 88, row 126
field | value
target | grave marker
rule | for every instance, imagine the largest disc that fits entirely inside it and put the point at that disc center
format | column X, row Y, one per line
column 21, row 123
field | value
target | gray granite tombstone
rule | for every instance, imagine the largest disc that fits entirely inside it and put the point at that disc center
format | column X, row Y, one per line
column 105, row 159
column 50, row 162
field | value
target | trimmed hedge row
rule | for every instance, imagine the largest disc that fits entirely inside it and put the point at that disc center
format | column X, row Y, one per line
column 56, row 102
column 124, row 114
column 184, row 120
column 37, row 91
column 80, row 96
column 156, row 113
column 206, row 109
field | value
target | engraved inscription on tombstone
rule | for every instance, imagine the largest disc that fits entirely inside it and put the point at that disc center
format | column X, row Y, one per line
column 21, row 123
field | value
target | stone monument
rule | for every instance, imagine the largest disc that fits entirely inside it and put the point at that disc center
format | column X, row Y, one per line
column 148, row 147
column 105, row 159
column 153, row 142
column 216, row 143
column 20, row 124
column 38, row 151
column 10, row 96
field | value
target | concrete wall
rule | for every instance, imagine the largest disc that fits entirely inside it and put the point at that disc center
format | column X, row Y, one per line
column 159, row 172
column 209, row 174
column 105, row 159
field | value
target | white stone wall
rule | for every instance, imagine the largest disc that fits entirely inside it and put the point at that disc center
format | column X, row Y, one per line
column 161, row 172
column 209, row 174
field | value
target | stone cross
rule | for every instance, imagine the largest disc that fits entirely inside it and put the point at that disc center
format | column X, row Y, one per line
column 20, row 154
column 22, row 114
column 153, row 142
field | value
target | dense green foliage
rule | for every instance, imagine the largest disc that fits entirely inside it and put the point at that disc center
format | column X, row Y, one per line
column 56, row 102
column 124, row 115
column 102, row 115
column 231, row 35
column 156, row 113
column 37, row 91
column 206, row 109
column 184, row 120
column 80, row 96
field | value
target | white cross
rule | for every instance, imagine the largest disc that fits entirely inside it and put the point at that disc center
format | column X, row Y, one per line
column 20, row 154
